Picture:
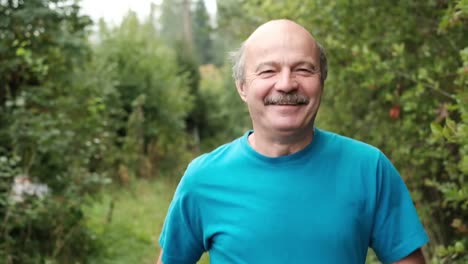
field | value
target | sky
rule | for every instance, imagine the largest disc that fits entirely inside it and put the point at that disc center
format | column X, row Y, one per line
column 113, row 10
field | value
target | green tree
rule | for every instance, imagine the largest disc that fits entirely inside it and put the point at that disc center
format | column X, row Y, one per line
column 202, row 33
column 144, row 67
column 55, row 107
column 226, row 116
column 171, row 29
column 179, row 35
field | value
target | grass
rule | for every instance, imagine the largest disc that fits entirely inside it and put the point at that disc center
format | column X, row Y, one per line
column 129, row 232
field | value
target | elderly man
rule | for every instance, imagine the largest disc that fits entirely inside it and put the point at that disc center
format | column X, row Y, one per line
column 287, row 192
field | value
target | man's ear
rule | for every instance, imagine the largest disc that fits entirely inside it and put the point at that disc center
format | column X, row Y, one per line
column 241, row 90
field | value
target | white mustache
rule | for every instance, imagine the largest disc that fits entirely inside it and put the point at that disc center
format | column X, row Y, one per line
column 286, row 99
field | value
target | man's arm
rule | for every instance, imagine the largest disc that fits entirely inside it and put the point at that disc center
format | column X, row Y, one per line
column 159, row 258
column 416, row 257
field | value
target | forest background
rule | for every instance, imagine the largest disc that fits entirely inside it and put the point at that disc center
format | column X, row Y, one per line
column 87, row 115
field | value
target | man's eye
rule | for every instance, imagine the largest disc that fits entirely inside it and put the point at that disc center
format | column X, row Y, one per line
column 267, row 72
column 303, row 70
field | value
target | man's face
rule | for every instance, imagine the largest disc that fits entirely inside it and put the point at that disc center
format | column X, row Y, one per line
column 282, row 87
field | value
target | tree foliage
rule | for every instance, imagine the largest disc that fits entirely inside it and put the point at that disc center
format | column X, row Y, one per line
column 202, row 34
column 73, row 116
column 152, row 82
column 52, row 130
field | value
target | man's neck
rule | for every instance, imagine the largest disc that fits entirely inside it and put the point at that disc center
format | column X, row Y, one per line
column 280, row 145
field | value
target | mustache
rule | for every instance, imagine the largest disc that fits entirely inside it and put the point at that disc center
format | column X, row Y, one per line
column 286, row 99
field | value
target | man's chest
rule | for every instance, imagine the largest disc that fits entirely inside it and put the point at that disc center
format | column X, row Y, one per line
column 295, row 219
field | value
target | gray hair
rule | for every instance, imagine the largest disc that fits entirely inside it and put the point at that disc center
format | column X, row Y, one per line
column 238, row 63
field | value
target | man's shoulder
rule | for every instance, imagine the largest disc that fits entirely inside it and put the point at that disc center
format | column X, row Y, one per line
column 346, row 144
column 220, row 156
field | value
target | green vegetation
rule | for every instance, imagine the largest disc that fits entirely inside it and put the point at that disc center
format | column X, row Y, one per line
column 86, row 124
column 126, row 222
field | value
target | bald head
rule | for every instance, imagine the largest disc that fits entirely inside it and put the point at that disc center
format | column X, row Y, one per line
column 281, row 32
column 279, row 29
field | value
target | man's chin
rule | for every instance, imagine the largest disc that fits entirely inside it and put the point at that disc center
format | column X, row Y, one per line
column 289, row 128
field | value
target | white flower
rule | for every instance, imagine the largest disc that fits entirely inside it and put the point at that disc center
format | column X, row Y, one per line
column 22, row 186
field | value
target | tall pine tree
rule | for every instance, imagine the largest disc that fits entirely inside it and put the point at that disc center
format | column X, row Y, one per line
column 202, row 31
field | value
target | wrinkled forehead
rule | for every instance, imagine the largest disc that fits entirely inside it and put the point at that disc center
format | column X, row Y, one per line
column 280, row 37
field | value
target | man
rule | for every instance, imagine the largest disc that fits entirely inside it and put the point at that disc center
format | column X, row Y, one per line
column 288, row 192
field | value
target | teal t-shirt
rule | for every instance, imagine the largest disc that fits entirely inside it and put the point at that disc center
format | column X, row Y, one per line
column 324, row 204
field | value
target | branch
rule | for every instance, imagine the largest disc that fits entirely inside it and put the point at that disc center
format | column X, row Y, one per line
column 427, row 85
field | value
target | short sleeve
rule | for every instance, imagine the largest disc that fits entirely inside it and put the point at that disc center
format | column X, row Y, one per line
column 397, row 230
column 181, row 236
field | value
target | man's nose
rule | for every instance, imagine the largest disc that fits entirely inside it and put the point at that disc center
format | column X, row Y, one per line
column 286, row 82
